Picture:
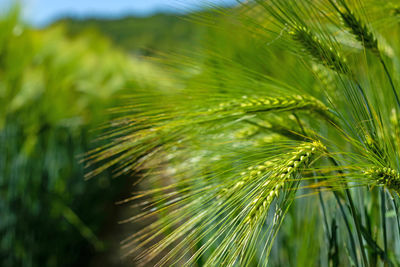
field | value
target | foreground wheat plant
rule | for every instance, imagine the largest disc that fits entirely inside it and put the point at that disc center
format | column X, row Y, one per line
column 300, row 113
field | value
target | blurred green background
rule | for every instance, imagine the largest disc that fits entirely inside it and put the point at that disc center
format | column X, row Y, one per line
column 56, row 85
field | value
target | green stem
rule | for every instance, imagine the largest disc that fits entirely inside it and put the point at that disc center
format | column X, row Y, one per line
column 397, row 214
column 346, row 222
column 358, row 226
column 355, row 217
column 279, row 130
column 321, row 201
column 383, row 218
column 390, row 80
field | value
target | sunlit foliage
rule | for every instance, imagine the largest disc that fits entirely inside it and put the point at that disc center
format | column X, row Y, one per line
column 287, row 119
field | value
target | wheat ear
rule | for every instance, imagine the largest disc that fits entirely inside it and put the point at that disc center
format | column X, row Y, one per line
column 264, row 104
column 318, row 50
column 300, row 158
column 386, row 177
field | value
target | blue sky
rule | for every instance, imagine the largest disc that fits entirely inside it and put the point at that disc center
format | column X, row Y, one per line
column 40, row 12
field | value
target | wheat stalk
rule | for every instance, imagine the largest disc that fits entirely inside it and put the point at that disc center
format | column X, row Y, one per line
column 360, row 31
column 283, row 171
column 365, row 36
column 318, row 50
column 266, row 104
column 276, row 179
